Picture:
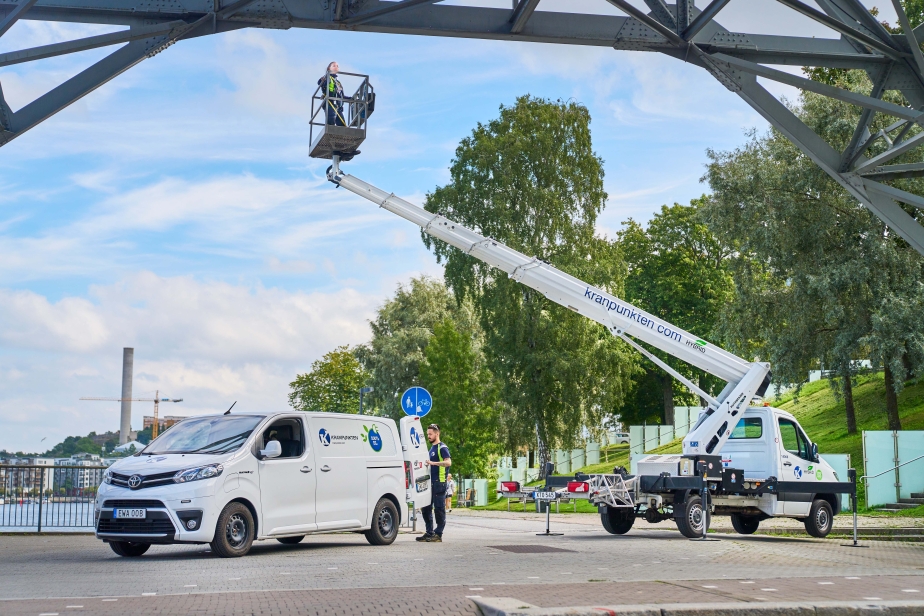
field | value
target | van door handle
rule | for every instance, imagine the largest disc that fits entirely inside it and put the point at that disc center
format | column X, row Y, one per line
column 325, row 468
column 787, row 463
column 306, row 469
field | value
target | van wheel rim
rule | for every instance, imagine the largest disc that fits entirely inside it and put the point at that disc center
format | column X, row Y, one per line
column 696, row 517
column 236, row 531
column 386, row 522
column 821, row 519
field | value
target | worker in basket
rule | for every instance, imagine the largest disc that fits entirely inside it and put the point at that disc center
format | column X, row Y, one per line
column 333, row 90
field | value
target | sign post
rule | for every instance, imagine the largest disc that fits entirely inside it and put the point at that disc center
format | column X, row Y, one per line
column 549, row 497
column 416, row 402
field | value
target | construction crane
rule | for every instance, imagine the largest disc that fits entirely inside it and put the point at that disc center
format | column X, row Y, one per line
column 156, row 400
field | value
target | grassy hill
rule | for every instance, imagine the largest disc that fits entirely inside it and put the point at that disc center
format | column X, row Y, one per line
column 823, row 417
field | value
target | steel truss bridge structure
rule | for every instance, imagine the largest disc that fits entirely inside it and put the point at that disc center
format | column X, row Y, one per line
column 686, row 32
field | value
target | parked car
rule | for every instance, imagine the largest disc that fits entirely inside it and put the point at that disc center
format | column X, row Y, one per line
column 228, row 480
column 618, row 438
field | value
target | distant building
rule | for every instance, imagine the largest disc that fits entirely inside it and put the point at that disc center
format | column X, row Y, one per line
column 27, row 481
column 164, row 422
column 78, row 472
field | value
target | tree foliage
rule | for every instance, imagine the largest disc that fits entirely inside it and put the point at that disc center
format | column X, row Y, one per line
column 401, row 332
column 465, row 405
column 331, row 386
column 531, row 180
column 819, row 278
column 678, row 271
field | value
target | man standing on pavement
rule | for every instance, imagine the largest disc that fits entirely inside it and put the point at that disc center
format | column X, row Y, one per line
column 439, row 461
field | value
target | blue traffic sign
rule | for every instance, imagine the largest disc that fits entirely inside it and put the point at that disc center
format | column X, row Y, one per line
column 416, row 402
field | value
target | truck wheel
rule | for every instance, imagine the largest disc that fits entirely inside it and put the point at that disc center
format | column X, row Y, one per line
column 690, row 523
column 234, row 531
column 820, row 519
column 384, row 529
column 745, row 524
column 618, row 520
column 128, row 548
column 290, row 540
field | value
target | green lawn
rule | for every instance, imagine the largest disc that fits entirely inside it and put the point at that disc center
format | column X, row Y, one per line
column 822, row 416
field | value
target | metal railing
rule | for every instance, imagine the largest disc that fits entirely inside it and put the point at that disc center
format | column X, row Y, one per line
column 42, row 497
column 348, row 111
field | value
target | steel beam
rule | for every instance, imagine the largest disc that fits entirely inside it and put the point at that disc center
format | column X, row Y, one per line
column 703, row 18
column 663, row 14
column 521, row 15
column 91, row 42
column 892, row 172
column 397, row 6
column 14, row 15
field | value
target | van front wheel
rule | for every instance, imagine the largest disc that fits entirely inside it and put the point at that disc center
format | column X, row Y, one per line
column 820, row 519
column 234, row 531
column 384, row 529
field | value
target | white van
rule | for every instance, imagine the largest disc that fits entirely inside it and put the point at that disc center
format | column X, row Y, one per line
column 230, row 479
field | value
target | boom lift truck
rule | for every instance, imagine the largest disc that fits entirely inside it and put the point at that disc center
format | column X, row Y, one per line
column 748, row 462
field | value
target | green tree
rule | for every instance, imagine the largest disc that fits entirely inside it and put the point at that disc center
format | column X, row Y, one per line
column 819, row 279
column 530, row 179
column 400, row 333
column 465, row 405
column 332, row 385
column 679, row 271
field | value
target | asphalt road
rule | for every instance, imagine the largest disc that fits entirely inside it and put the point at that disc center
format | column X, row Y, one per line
column 480, row 556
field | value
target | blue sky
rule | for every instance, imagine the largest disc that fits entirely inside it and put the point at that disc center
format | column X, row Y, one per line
column 176, row 209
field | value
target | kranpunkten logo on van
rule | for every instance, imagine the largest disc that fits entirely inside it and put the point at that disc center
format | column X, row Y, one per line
column 328, row 438
column 415, row 437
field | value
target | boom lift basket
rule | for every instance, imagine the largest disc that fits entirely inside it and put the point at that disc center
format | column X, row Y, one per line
column 338, row 124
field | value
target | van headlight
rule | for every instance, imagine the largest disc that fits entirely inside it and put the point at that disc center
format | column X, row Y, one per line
column 200, row 472
column 107, row 477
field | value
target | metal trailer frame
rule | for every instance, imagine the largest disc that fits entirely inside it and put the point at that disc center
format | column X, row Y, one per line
column 683, row 31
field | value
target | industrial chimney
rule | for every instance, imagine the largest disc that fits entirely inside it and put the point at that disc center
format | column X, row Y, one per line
column 125, row 425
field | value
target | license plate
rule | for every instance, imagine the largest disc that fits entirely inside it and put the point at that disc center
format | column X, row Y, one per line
column 423, row 487
column 133, row 514
column 546, row 495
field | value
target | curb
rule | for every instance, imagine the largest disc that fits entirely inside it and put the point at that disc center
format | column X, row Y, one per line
column 508, row 606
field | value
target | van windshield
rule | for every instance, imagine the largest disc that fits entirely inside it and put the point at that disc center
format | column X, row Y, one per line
column 205, row 435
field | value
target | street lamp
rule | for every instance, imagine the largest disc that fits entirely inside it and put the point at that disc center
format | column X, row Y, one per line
column 362, row 392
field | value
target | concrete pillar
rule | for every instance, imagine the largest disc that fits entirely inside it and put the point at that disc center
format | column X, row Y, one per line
column 593, row 453
column 125, row 423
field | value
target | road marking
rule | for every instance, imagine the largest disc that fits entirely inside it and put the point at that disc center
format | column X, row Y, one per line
column 498, row 583
column 148, row 594
column 910, row 590
column 73, row 607
column 768, row 589
column 372, row 563
column 533, row 577
column 826, row 583
column 872, row 598
column 852, row 578
column 602, row 568
column 747, row 582
column 476, row 588
column 473, row 596
column 285, row 573
column 418, row 559
column 48, row 614
column 190, row 585
column 110, row 599
column 566, row 573
column 710, row 586
column 331, row 568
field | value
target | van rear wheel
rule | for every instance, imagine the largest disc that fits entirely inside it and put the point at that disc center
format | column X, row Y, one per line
column 745, row 524
column 129, row 548
column 820, row 519
column 290, row 540
column 692, row 518
column 385, row 522
column 233, row 532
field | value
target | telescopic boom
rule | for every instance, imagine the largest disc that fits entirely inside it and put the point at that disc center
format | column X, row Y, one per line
column 745, row 379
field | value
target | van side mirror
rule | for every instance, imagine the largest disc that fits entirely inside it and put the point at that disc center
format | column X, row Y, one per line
column 815, row 452
column 273, row 450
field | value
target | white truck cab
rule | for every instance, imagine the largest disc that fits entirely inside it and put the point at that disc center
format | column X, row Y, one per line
column 231, row 479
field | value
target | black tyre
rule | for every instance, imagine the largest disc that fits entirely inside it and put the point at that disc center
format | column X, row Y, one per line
column 618, row 520
column 745, row 524
column 820, row 519
column 233, row 532
column 290, row 540
column 128, row 548
column 692, row 519
column 385, row 522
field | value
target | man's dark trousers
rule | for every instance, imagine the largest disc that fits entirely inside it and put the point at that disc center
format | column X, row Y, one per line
column 438, row 491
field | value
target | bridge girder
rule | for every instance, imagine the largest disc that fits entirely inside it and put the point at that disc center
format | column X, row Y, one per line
column 681, row 30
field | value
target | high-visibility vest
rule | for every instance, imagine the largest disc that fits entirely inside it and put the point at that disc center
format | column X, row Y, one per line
column 442, row 469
